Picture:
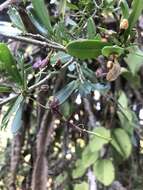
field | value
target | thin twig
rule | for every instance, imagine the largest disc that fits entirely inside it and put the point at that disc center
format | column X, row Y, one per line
column 80, row 73
column 34, row 42
column 42, row 38
column 41, row 81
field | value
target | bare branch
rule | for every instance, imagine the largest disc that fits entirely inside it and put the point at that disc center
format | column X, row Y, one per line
column 35, row 42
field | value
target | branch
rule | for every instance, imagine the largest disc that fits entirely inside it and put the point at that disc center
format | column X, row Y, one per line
column 41, row 81
column 35, row 42
column 41, row 38
column 6, row 100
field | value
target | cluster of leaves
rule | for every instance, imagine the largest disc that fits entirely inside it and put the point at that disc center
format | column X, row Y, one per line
column 76, row 48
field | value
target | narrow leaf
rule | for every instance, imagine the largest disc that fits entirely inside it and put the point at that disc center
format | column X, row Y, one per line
column 91, row 29
column 17, row 121
column 13, row 107
column 16, row 19
column 37, row 22
column 64, row 93
column 125, row 9
column 5, row 88
column 137, row 7
column 62, row 7
column 42, row 13
column 8, row 63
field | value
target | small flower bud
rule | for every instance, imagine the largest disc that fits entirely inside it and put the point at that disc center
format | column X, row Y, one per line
column 124, row 24
column 109, row 64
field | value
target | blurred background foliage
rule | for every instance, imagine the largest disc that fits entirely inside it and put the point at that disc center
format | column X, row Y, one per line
column 71, row 95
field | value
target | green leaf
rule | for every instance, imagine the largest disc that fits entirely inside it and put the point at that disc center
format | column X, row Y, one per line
column 36, row 22
column 108, row 50
column 42, row 13
column 61, row 178
column 123, row 100
column 123, row 106
column 5, row 88
column 104, row 171
column 88, row 158
column 137, row 7
column 127, row 125
column 91, row 29
column 79, row 171
column 13, row 107
column 96, row 142
column 85, row 49
column 134, row 80
column 121, row 142
column 82, row 186
column 126, row 116
column 134, row 59
column 62, row 7
column 64, row 93
column 8, row 63
column 16, row 19
column 17, row 121
column 125, row 9
column 61, row 33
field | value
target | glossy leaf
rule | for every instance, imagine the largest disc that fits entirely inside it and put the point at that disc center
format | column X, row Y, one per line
column 8, row 64
column 85, row 49
column 64, row 93
column 104, row 171
column 96, row 142
column 121, row 142
column 42, row 13
column 108, row 50
column 16, row 19
column 137, row 7
column 91, row 29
